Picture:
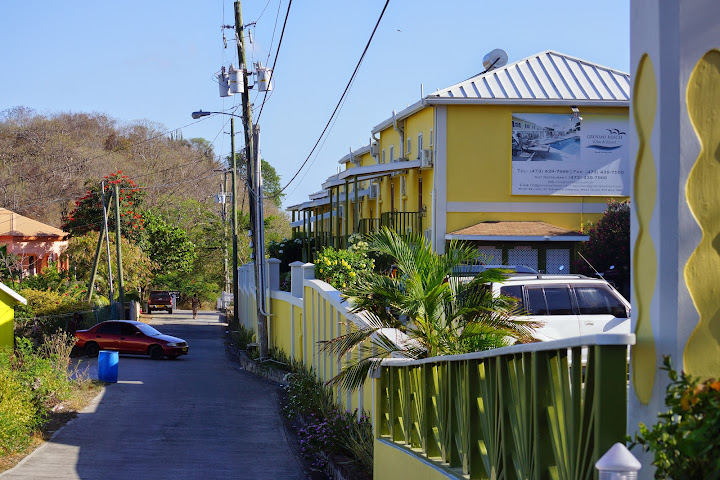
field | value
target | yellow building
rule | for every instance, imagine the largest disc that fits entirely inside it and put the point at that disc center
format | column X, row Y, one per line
column 8, row 299
column 515, row 160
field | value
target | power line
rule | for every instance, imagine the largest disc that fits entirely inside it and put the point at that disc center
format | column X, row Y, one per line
column 272, row 69
column 337, row 107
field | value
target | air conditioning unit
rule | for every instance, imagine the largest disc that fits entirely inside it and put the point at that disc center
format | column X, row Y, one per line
column 426, row 160
column 374, row 149
column 399, row 172
column 374, row 187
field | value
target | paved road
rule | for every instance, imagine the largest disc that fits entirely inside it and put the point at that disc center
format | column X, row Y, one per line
column 196, row 417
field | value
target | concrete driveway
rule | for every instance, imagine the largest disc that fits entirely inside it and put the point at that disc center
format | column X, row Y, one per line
column 196, row 417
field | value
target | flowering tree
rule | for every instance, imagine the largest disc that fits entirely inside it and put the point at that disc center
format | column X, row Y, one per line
column 88, row 214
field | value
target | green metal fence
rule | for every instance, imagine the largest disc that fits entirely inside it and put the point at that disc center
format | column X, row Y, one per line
column 525, row 412
column 404, row 223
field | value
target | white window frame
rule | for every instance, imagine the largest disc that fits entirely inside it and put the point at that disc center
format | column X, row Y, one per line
column 420, row 145
column 409, row 145
column 392, row 153
column 431, row 137
column 383, row 156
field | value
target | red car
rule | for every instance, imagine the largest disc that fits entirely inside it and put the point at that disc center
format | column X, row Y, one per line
column 127, row 336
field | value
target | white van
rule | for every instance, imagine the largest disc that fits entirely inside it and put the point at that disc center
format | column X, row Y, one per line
column 568, row 305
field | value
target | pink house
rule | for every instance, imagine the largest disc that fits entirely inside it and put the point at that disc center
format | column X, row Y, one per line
column 35, row 243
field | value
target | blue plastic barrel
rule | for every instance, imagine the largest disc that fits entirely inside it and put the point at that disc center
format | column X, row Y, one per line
column 108, row 366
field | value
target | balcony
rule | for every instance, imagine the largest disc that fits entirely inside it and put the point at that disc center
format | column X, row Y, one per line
column 404, row 223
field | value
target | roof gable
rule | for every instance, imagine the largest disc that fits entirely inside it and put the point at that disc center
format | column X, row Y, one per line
column 549, row 76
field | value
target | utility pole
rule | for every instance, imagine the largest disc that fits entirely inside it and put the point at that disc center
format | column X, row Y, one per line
column 116, row 194
column 233, row 164
column 255, row 200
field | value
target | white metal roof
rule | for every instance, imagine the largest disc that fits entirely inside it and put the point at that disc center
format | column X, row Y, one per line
column 544, row 76
column 355, row 153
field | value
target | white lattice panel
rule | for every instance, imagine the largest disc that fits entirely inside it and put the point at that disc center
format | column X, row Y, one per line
column 490, row 255
column 523, row 256
column 556, row 258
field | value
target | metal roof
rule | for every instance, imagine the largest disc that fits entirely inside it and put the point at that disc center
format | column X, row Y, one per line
column 544, row 76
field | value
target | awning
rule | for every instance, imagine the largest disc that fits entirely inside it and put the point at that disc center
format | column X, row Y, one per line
column 517, row 232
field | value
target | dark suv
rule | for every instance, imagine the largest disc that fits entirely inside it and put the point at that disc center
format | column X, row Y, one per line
column 160, row 300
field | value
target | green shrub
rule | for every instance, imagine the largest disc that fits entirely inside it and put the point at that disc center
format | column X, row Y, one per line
column 327, row 429
column 343, row 268
column 32, row 381
column 18, row 416
column 242, row 337
column 686, row 440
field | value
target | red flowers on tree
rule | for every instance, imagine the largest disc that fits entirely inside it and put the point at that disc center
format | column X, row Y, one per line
column 88, row 214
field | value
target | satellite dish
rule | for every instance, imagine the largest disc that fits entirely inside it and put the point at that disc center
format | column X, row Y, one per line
column 495, row 59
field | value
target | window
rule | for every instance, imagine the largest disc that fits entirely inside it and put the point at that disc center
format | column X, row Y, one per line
column 513, row 291
column 558, row 300
column 431, row 137
column 383, row 156
column 598, row 301
column 549, row 300
column 128, row 330
column 392, row 153
column 420, row 144
column 409, row 146
column 536, row 301
column 110, row 328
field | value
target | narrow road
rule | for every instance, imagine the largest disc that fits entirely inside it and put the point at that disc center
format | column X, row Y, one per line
column 196, row 417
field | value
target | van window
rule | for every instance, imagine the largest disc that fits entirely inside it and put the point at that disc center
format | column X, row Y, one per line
column 558, row 300
column 549, row 300
column 514, row 291
column 536, row 301
column 597, row 301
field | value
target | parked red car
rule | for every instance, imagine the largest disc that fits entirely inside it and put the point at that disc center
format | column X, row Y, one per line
column 127, row 336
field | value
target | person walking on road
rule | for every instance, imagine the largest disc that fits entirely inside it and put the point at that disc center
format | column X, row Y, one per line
column 195, row 302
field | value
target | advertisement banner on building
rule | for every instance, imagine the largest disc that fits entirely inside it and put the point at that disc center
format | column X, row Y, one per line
column 562, row 154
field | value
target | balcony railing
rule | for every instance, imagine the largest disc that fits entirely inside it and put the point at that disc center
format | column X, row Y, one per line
column 368, row 225
column 404, row 223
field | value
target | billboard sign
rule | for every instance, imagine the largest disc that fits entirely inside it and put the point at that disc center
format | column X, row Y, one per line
column 562, row 154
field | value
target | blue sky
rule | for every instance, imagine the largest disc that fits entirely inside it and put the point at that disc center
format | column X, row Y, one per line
column 155, row 61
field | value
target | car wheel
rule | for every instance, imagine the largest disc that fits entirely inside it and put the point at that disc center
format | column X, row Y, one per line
column 92, row 349
column 172, row 357
column 170, row 311
column 156, row 352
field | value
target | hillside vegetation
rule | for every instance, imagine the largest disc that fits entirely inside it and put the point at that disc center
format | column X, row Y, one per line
column 51, row 166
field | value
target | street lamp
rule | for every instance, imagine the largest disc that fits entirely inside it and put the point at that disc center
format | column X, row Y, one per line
column 236, row 298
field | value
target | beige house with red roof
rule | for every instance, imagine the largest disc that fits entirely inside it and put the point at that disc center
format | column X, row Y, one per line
column 36, row 243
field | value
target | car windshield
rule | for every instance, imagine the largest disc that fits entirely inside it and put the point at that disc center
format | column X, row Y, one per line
column 148, row 330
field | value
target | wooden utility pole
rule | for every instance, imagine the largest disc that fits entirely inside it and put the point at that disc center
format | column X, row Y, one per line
column 252, row 194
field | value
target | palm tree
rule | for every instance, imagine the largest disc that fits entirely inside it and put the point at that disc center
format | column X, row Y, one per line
column 423, row 310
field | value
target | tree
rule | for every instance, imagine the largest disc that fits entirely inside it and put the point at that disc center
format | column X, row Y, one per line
column 137, row 266
column 88, row 213
column 444, row 315
column 609, row 245
column 166, row 245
